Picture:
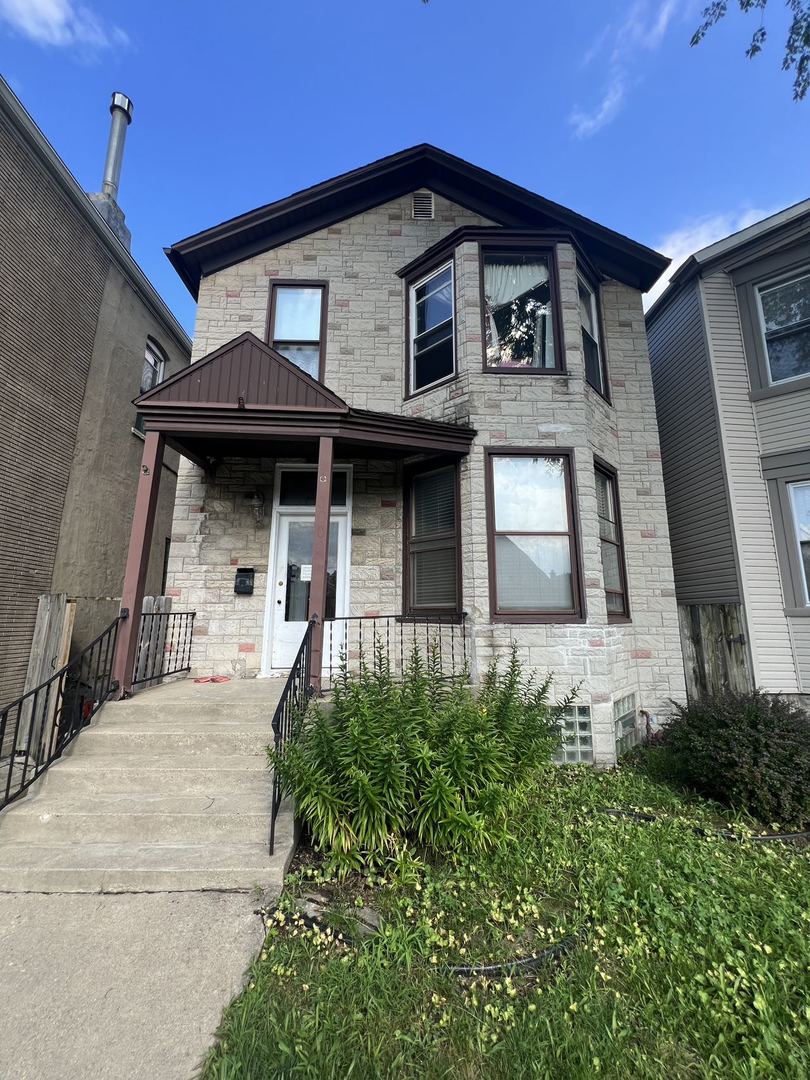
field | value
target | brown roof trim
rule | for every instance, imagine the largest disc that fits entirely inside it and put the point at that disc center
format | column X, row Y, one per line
column 493, row 236
column 422, row 166
column 241, row 379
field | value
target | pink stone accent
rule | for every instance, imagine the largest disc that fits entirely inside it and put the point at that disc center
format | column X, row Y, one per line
column 648, row 534
column 342, row 303
column 596, row 643
column 593, row 583
column 654, row 455
column 388, row 502
column 173, row 592
column 618, row 382
column 395, row 232
column 373, row 614
column 641, row 654
column 247, row 646
column 271, row 273
column 233, row 293
column 234, row 562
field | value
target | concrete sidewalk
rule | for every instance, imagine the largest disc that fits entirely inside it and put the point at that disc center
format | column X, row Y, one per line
column 118, row 987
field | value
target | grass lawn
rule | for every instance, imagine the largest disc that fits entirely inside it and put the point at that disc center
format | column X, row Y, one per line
column 694, row 957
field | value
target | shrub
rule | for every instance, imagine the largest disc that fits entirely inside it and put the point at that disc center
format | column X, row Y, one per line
column 423, row 760
column 750, row 751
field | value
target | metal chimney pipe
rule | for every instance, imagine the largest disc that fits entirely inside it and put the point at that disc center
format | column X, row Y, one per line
column 121, row 110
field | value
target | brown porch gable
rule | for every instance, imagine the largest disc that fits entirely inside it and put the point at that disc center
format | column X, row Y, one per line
column 245, row 373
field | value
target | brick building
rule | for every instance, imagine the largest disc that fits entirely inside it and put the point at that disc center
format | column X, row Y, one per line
column 81, row 328
column 464, row 364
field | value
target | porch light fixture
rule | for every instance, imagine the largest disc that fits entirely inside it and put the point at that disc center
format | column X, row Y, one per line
column 257, row 504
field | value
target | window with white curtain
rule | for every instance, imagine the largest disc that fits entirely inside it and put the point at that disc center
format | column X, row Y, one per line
column 519, row 323
column 432, row 538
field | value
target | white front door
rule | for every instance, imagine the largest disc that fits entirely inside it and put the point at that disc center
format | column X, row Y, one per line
column 289, row 587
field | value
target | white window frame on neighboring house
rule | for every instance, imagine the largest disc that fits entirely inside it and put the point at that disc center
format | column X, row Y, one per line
column 153, row 355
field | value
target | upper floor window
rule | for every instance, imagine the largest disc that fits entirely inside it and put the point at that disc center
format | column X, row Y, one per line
column 589, row 321
column 431, row 530
column 800, row 505
column 154, row 369
column 518, row 319
column 610, row 539
column 785, row 313
column 297, row 324
column 533, row 551
column 432, row 322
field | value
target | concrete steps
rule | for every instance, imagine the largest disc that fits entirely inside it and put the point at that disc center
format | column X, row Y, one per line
column 167, row 791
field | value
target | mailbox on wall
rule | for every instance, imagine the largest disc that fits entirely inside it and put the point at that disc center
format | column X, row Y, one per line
column 243, row 583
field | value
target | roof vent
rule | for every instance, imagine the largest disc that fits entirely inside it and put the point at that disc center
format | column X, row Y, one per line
column 422, row 205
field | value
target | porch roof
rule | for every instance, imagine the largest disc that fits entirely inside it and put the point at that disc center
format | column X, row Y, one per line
column 247, row 400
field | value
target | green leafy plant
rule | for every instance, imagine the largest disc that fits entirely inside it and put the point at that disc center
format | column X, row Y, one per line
column 750, row 751
column 423, row 760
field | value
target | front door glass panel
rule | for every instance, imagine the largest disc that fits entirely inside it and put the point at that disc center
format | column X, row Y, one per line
column 300, row 541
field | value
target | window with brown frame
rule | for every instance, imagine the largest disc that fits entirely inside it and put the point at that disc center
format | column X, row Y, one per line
column 533, row 552
column 595, row 373
column 432, row 542
column 612, row 544
column 296, row 323
column 519, row 307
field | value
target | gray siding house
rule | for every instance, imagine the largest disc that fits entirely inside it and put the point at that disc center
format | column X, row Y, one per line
column 82, row 332
column 464, row 364
column 730, row 354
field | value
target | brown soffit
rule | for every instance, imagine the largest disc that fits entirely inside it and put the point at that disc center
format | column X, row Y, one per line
column 422, row 166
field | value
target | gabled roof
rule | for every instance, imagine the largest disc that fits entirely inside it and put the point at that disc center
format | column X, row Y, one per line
column 245, row 374
column 246, row 399
column 422, row 166
column 736, row 249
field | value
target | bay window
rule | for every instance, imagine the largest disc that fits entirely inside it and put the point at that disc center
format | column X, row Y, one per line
column 432, row 542
column 785, row 323
column 533, row 549
column 432, row 323
column 518, row 312
column 297, row 324
column 611, row 543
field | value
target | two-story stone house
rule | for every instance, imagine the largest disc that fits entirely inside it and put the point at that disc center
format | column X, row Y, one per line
column 423, row 391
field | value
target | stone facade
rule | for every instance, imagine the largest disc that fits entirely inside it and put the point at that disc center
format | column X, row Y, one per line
column 215, row 529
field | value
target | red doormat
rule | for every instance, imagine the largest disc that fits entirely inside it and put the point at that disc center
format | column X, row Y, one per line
column 213, row 678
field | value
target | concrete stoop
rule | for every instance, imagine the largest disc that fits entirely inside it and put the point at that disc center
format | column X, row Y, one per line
column 168, row 791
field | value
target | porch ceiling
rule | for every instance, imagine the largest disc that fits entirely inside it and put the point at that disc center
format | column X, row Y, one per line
column 247, row 400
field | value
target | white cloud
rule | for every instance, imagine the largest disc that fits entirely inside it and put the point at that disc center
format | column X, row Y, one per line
column 586, row 124
column 643, row 28
column 60, row 23
column 694, row 235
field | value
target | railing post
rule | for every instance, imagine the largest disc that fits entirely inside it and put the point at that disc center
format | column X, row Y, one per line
column 140, row 539
column 320, row 553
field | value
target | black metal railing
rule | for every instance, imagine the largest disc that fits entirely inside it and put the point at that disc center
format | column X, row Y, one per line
column 37, row 727
column 290, row 713
column 347, row 640
column 164, row 646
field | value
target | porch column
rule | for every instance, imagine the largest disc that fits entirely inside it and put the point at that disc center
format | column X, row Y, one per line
column 320, row 552
column 140, row 540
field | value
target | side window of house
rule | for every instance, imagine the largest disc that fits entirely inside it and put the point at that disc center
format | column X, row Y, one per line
column 591, row 346
column 297, row 324
column 431, row 530
column 785, row 321
column 432, row 329
column 518, row 313
column 533, row 547
column 154, row 369
column 799, row 494
column 610, row 539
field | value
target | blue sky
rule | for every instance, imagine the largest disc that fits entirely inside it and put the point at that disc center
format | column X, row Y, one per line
column 602, row 106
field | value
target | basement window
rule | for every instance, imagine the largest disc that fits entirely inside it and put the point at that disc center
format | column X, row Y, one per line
column 577, row 738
